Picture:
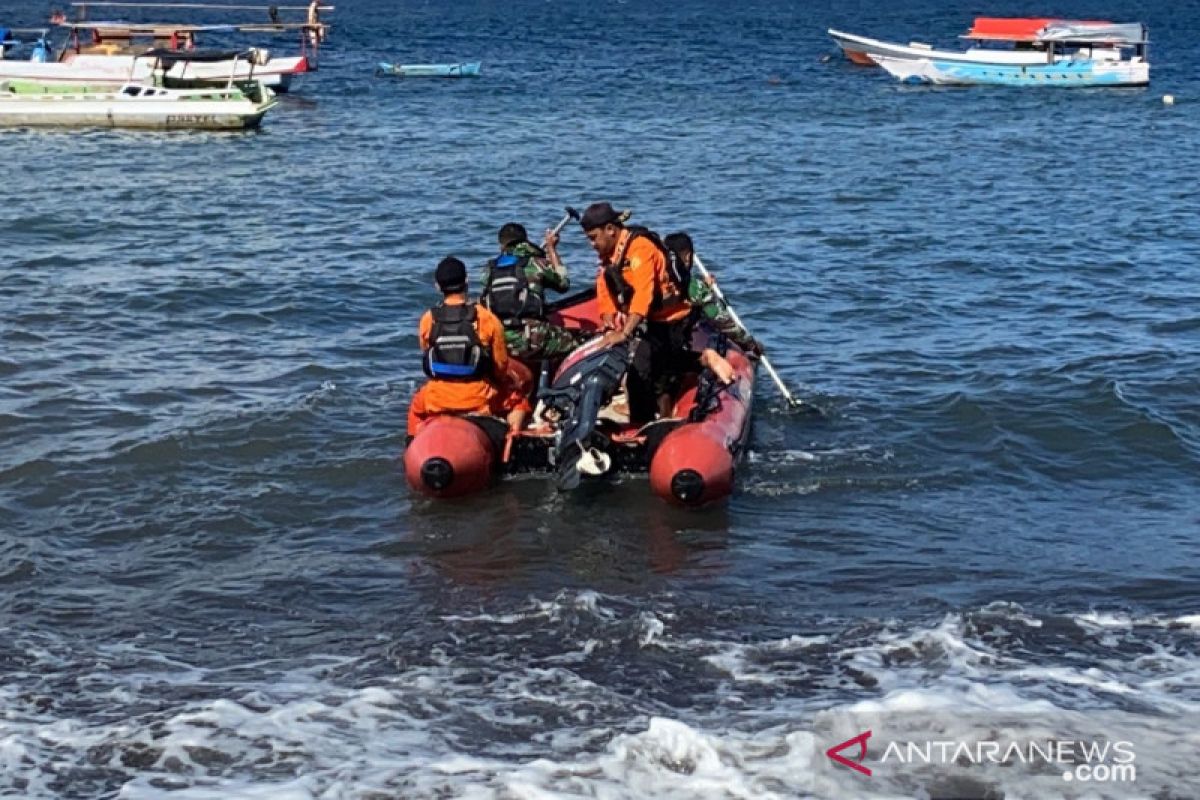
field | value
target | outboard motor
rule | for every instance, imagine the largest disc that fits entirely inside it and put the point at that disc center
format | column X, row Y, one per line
column 583, row 386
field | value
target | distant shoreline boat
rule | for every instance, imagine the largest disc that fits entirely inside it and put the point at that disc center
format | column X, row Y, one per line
column 239, row 105
column 1045, row 52
column 112, row 60
column 467, row 69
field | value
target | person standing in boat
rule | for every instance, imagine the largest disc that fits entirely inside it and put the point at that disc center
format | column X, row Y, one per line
column 638, row 301
column 514, row 289
column 315, row 32
column 465, row 358
column 708, row 307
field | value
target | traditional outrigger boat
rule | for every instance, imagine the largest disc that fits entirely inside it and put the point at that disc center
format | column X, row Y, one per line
column 239, row 105
column 579, row 432
column 112, row 58
column 1046, row 52
column 467, row 69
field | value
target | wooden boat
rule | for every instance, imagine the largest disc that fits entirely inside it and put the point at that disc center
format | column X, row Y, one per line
column 468, row 69
column 1047, row 52
column 579, row 433
column 236, row 106
column 115, row 54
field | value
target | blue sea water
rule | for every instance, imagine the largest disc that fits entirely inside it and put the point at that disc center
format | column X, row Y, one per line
column 215, row 584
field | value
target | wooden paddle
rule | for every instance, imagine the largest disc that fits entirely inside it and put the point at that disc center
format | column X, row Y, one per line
column 792, row 401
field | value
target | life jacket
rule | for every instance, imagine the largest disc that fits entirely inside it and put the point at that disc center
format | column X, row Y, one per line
column 678, row 275
column 455, row 352
column 507, row 293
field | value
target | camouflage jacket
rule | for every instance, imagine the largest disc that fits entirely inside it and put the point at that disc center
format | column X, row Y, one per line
column 540, row 274
column 710, row 309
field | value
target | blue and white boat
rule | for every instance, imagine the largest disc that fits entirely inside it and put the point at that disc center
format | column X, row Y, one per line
column 463, row 70
column 1070, row 54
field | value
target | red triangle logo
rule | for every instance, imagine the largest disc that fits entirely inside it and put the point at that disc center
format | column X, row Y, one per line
column 835, row 753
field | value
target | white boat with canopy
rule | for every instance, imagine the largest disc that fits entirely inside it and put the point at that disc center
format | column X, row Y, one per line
column 1044, row 51
column 113, row 58
column 239, row 105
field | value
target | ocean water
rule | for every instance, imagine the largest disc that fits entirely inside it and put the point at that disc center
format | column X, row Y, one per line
column 215, row 584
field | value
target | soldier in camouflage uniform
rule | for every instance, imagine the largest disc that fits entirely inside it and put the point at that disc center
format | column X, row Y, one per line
column 514, row 289
column 707, row 306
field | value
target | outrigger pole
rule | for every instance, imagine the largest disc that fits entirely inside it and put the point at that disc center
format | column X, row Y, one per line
column 792, row 401
column 106, row 4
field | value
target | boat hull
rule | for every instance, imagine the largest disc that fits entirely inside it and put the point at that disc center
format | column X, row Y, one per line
column 463, row 70
column 1065, row 73
column 164, row 110
column 115, row 71
column 864, row 50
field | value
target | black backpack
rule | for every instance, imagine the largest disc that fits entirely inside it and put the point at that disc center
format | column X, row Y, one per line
column 455, row 352
column 507, row 293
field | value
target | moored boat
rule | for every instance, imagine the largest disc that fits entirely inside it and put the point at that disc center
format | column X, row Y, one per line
column 467, row 69
column 1046, row 52
column 115, row 57
column 236, row 106
column 580, row 432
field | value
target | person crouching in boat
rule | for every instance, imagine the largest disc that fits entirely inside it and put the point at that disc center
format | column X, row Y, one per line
column 634, row 289
column 465, row 358
column 514, row 289
column 708, row 307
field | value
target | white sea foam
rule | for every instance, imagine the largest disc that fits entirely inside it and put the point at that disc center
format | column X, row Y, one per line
column 503, row 727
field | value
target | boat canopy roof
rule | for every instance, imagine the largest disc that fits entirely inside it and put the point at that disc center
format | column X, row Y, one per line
column 168, row 56
column 1008, row 29
column 1050, row 29
column 161, row 30
column 1094, row 32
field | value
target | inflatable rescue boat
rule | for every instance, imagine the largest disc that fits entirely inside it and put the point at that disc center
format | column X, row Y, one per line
column 580, row 430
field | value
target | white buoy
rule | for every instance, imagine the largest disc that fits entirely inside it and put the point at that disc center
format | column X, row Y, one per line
column 1168, row 99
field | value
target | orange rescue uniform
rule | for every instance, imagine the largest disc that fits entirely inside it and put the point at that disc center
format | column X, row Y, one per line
column 498, row 395
column 645, row 271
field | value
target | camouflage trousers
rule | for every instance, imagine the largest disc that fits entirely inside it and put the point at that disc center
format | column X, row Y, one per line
column 536, row 340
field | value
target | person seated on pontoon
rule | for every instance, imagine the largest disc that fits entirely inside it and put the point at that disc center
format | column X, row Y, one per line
column 465, row 357
column 514, row 289
column 709, row 307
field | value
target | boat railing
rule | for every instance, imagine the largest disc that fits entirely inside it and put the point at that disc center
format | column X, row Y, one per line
column 164, row 60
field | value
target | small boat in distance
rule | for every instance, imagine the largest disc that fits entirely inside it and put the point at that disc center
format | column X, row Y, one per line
column 1045, row 52
column 468, row 69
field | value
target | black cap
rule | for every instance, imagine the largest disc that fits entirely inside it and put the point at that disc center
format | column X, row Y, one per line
column 597, row 215
column 512, row 233
column 451, row 275
column 678, row 242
